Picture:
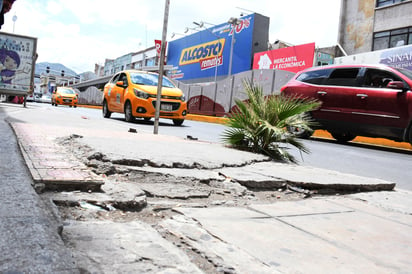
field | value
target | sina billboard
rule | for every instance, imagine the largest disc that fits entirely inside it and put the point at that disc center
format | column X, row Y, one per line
column 205, row 55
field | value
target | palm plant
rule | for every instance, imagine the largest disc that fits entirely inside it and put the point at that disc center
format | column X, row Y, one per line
column 260, row 124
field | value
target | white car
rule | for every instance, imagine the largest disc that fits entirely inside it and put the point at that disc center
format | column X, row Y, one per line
column 30, row 98
column 45, row 98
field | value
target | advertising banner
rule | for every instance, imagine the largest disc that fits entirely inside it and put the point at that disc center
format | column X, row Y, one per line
column 291, row 59
column 17, row 58
column 207, row 53
column 398, row 57
column 158, row 44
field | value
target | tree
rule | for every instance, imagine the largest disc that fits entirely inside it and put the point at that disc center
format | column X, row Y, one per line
column 260, row 124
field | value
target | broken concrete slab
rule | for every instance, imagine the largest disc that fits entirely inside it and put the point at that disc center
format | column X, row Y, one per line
column 67, row 180
column 120, row 195
column 272, row 174
column 106, row 247
column 199, row 174
column 225, row 256
column 202, row 155
column 101, row 199
column 174, row 191
column 295, row 245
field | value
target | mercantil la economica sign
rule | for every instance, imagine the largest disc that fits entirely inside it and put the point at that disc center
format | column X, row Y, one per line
column 291, row 59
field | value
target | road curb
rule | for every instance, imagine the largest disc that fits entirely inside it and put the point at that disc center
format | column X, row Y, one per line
column 323, row 134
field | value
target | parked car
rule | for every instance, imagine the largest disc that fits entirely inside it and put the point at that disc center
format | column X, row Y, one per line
column 30, row 97
column 37, row 97
column 64, row 96
column 44, row 98
column 134, row 92
column 366, row 100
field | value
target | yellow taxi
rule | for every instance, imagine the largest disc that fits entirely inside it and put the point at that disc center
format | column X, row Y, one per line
column 64, row 96
column 134, row 93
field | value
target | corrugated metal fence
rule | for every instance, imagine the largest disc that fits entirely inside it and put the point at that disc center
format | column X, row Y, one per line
column 215, row 99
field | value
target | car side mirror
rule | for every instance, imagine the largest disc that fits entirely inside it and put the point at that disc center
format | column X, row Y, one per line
column 120, row 84
column 396, row 85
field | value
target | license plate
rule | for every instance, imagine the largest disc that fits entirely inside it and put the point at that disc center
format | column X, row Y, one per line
column 67, row 100
column 166, row 107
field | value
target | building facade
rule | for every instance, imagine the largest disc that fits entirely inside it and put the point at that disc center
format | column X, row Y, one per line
column 144, row 58
column 111, row 66
column 369, row 25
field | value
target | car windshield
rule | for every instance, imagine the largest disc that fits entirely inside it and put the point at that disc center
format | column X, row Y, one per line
column 149, row 80
column 67, row 91
column 406, row 72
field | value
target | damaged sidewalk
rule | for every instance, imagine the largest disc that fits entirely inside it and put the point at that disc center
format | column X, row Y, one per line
column 161, row 204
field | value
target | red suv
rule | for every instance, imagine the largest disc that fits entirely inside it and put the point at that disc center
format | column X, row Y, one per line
column 367, row 100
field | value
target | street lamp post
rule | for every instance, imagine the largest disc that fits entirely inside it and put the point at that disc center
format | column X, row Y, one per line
column 14, row 21
column 234, row 22
column 176, row 33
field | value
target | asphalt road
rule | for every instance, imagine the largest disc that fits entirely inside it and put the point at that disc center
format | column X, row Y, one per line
column 364, row 160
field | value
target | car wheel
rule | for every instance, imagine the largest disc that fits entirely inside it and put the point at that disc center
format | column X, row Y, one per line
column 300, row 132
column 178, row 122
column 343, row 137
column 75, row 106
column 147, row 119
column 106, row 112
column 128, row 112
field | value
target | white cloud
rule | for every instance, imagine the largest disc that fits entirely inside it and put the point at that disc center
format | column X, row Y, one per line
column 79, row 33
column 54, row 7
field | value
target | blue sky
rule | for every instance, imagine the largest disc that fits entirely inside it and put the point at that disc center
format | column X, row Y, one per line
column 80, row 33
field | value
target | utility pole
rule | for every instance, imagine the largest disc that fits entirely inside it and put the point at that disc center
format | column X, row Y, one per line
column 161, row 67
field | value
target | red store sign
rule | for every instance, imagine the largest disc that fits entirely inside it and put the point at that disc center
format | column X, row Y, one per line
column 292, row 59
column 158, row 44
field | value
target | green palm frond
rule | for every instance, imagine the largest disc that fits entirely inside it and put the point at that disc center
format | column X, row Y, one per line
column 260, row 123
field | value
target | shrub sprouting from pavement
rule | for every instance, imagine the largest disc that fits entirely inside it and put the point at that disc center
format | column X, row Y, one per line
column 260, row 124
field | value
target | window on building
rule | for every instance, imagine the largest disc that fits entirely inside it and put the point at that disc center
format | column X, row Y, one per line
column 150, row 62
column 382, row 3
column 392, row 38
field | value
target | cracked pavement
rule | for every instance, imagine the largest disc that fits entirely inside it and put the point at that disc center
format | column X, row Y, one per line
column 160, row 204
